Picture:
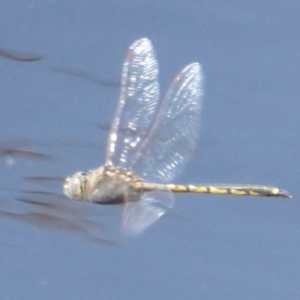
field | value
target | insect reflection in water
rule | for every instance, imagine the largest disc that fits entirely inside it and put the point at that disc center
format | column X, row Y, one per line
column 148, row 144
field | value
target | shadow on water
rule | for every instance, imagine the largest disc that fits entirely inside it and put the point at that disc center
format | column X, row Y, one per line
column 52, row 211
column 19, row 56
column 43, row 208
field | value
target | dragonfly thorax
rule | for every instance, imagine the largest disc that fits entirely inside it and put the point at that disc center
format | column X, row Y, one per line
column 105, row 185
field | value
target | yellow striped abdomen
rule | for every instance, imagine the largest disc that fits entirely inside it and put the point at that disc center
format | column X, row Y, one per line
column 219, row 189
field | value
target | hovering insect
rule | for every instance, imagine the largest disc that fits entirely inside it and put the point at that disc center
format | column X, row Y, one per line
column 148, row 144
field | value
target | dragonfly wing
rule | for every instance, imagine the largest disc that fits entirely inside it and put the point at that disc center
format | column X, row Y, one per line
column 173, row 137
column 137, row 104
column 138, row 216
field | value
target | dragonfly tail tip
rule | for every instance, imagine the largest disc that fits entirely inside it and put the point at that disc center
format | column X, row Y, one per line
column 284, row 194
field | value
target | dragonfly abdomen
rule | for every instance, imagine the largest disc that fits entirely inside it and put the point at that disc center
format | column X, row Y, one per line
column 238, row 190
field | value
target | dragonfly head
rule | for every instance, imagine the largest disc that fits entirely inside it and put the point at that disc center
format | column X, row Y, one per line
column 75, row 187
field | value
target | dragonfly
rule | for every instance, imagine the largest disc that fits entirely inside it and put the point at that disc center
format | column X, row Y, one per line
column 149, row 142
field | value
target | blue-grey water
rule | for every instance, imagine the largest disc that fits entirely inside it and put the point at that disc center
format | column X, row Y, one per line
column 211, row 247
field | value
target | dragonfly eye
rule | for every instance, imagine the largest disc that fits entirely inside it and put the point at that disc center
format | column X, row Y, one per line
column 74, row 187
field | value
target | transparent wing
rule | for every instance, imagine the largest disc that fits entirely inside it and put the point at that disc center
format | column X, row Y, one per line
column 173, row 137
column 138, row 216
column 137, row 105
